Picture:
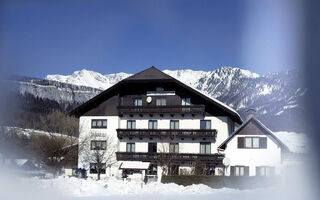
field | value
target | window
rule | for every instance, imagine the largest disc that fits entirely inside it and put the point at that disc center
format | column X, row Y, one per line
column 252, row 142
column 131, row 147
column 131, row 124
column 153, row 124
column 255, row 143
column 99, row 123
column 159, row 89
column 239, row 171
column 161, row 102
column 205, row 124
column 174, row 148
column 265, row 171
column 185, row 101
column 98, row 145
column 137, row 102
column 174, row 124
column 248, row 142
column 205, row 147
column 95, row 167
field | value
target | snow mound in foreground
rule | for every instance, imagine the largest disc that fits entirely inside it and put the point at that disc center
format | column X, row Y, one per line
column 80, row 187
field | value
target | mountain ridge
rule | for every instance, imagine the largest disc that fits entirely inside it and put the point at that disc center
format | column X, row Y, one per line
column 277, row 97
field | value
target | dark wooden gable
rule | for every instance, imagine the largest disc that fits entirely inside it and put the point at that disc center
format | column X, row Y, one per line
column 149, row 74
column 252, row 129
column 105, row 104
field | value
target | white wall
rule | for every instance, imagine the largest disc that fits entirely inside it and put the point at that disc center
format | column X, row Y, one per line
column 115, row 122
column 86, row 134
column 271, row 156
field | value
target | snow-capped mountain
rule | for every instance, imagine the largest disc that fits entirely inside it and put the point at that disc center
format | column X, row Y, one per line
column 89, row 79
column 277, row 97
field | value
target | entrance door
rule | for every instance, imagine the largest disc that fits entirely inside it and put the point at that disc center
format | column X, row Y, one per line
column 152, row 147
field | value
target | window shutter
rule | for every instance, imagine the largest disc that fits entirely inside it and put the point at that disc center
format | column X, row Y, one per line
column 232, row 171
column 263, row 143
column 246, row 171
column 240, row 142
column 257, row 171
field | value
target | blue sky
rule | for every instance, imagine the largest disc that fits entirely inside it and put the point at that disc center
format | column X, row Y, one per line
column 58, row 37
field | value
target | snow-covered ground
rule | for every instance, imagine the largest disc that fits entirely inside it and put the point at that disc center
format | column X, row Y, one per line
column 81, row 187
column 74, row 188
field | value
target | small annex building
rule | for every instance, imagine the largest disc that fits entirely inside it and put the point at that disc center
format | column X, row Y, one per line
column 253, row 150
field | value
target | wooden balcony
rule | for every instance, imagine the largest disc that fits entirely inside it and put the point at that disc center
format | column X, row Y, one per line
column 176, row 158
column 178, row 109
column 167, row 133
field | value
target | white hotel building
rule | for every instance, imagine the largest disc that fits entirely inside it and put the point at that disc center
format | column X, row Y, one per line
column 152, row 117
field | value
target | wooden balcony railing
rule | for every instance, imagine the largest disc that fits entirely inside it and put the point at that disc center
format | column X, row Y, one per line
column 178, row 109
column 171, row 133
column 171, row 157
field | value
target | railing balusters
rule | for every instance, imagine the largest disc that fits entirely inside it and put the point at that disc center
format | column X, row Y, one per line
column 195, row 109
column 166, row 133
column 178, row 157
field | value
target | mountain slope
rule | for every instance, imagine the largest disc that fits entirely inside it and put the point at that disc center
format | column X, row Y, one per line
column 277, row 97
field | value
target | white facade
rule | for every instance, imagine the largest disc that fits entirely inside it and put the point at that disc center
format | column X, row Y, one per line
column 87, row 134
column 186, row 122
column 251, row 157
column 153, row 95
column 187, row 145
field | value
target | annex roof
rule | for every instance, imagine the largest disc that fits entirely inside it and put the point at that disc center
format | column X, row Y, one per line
column 259, row 125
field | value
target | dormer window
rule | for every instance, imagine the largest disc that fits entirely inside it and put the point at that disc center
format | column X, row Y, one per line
column 137, row 102
column 161, row 102
column 185, row 101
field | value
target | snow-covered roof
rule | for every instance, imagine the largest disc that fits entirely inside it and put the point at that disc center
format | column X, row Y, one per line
column 134, row 165
column 296, row 142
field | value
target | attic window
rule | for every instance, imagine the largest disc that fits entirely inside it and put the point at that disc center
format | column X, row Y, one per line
column 252, row 142
column 185, row 101
column 159, row 89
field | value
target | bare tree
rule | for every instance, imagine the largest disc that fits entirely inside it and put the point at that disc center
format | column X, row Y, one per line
column 58, row 146
column 198, row 168
column 99, row 151
column 165, row 158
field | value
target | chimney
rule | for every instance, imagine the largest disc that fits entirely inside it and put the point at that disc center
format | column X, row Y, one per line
column 250, row 112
